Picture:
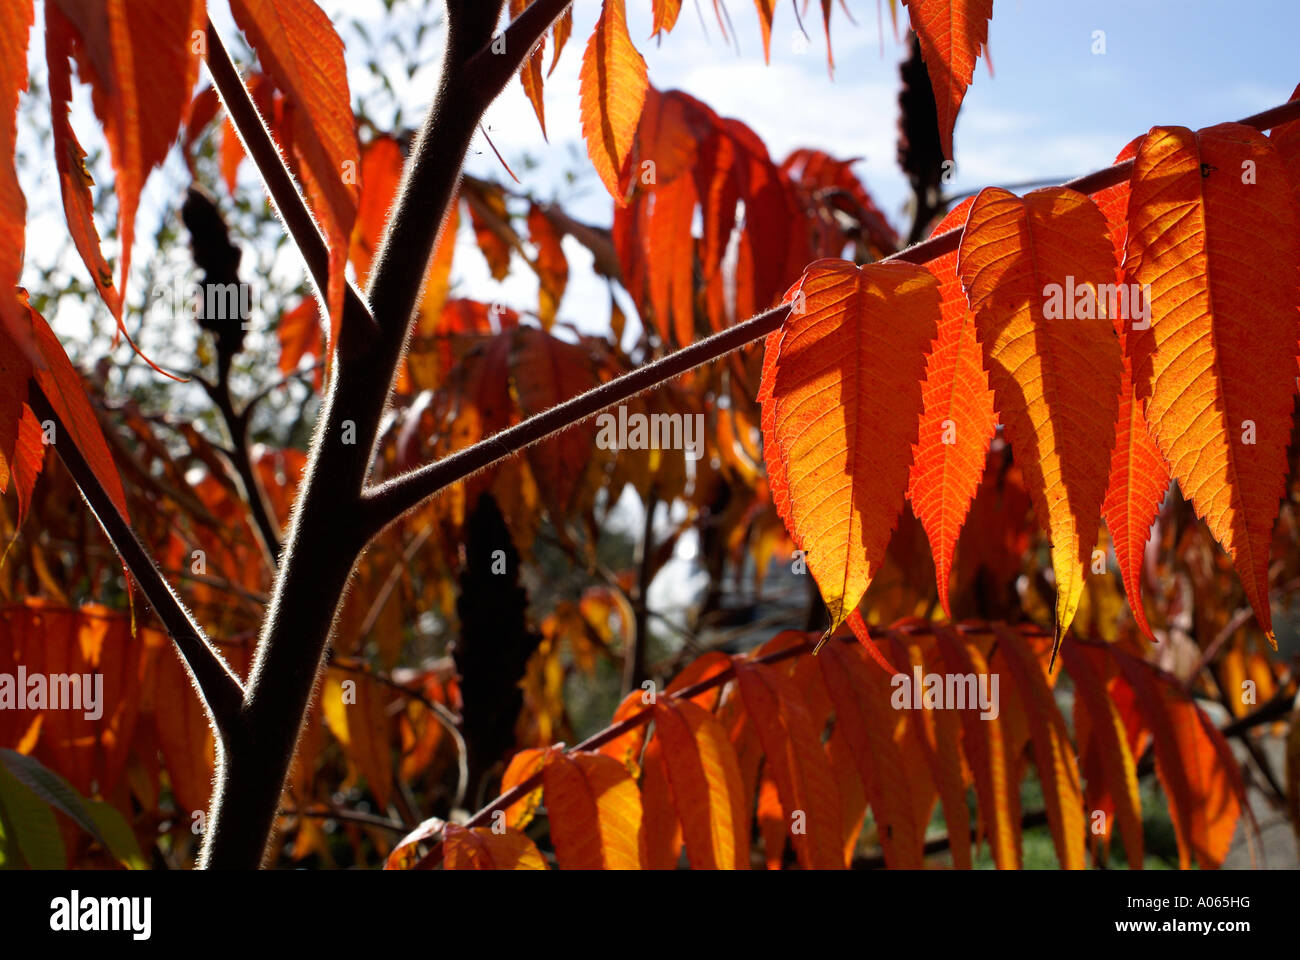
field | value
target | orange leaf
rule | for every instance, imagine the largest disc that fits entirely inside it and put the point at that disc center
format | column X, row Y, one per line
column 70, row 160
column 1115, row 758
column 612, row 90
column 62, row 386
column 860, row 692
column 841, row 397
column 437, row 284
column 1195, row 766
column 182, row 728
column 797, row 762
column 381, row 172
column 952, row 34
column 661, row 827
column 545, row 372
column 560, row 32
column 522, row 766
column 982, row 743
column 28, row 458
column 355, row 706
column 299, row 333
column 670, row 259
column 766, row 10
column 938, row 735
column 1139, row 477
column 1030, row 267
column 299, row 48
column 530, row 73
column 595, row 812
column 665, row 15
column 1286, row 139
column 959, row 421
column 704, row 779
column 1213, row 231
column 1053, row 754
column 479, row 848
column 551, row 265
column 141, row 63
column 15, row 26
column 14, row 373
column 492, row 230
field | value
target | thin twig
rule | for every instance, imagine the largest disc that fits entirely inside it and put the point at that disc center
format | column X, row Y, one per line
column 219, row 686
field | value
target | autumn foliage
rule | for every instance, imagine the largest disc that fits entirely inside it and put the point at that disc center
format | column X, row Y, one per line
column 1041, row 462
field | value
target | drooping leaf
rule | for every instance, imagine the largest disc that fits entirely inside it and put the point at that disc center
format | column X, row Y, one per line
column 594, row 810
column 860, row 693
column 1116, row 760
column 355, row 707
column 983, row 746
column 70, row 159
column 841, row 398
column 952, row 34
column 29, row 457
column 704, row 779
column 612, row 91
column 1195, row 766
column 381, row 172
column 560, row 33
column 298, row 47
column 670, row 263
column 530, row 73
column 480, row 848
column 62, row 386
column 1213, row 231
column 492, row 230
column 938, row 735
column 958, row 423
column 1139, row 477
column 547, row 371
column 551, row 264
column 15, row 26
column 141, row 63
column 1031, row 268
column 797, row 763
column 766, row 10
column 665, row 15
column 1053, row 753
column 299, row 333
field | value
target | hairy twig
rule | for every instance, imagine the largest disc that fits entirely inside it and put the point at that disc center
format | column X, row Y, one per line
column 218, row 686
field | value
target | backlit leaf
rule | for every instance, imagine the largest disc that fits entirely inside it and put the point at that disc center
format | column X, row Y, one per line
column 1220, row 254
column 841, row 396
column 1029, row 267
column 612, row 91
column 952, row 34
column 959, row 421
